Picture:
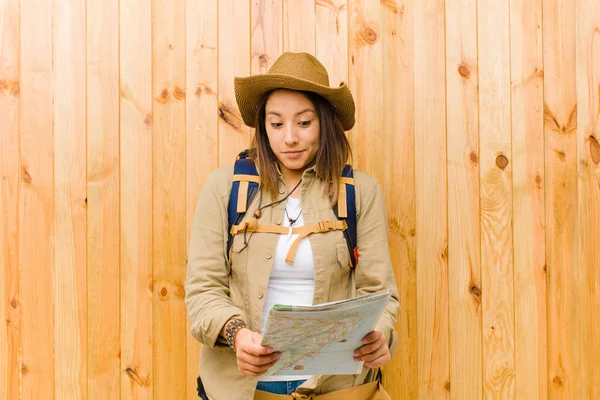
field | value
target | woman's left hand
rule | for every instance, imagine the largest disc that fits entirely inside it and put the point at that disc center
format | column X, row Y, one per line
column 374, row 351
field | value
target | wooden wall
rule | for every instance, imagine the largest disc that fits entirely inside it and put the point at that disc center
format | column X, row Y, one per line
column 479, row 118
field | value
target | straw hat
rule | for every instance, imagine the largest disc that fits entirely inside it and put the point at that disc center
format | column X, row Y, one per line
column 295, row 71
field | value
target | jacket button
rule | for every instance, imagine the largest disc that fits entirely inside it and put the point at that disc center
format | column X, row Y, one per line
column 260, row 295
column 268, row 256
column 278, row 222
column 281, row 191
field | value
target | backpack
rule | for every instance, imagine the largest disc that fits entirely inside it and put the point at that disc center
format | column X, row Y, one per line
column 245, row 185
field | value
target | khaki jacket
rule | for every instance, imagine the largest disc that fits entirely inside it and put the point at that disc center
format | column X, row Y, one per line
column 216, row 291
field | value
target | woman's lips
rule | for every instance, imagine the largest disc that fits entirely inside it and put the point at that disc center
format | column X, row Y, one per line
column 293, row 154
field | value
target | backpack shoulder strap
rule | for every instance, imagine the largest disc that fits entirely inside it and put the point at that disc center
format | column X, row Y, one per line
column 244, row 187
column 345, row 209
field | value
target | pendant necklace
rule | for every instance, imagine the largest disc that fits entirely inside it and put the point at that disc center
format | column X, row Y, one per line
column 292, row 221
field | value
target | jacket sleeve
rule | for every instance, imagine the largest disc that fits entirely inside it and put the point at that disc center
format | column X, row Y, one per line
column 207, row 280
column 374, row 270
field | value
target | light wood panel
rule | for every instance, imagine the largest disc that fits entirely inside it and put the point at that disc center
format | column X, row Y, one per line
column 299, row 26
column 233, row 60
column 103, row 239
column 266, row 34
column 202, row 139
column 36, row 257
column 431, row 200
column 560, row 125
column 464, row 254
column 135, row 191
column 70, row 252
column 588, row 173
column 400, row 375
column 331, row 24
column 10, row 295
column 364, row 79
column 528, row 201
column 496, row 200
column 168, row 199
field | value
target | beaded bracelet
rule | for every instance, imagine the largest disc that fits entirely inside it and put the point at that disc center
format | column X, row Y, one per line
column 231, row 330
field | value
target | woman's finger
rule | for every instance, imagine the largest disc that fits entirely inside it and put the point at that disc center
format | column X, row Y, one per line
column 371, row 347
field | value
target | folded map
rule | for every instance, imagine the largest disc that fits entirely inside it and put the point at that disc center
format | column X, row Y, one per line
column 321, row 339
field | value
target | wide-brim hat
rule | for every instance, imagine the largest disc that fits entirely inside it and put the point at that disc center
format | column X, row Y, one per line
column 293, row 71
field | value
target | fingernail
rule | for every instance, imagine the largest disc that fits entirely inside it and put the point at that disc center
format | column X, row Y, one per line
column 269, row 350
column 356, row 358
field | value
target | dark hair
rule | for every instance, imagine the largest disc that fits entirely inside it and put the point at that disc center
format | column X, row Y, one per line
column 333, row 152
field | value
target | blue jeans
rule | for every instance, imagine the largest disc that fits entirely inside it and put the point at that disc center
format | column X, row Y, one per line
column 280, row 387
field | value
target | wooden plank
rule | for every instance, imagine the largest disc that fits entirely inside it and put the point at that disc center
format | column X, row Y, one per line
column 496, row 200
column 103, row 199
column 36, row 200
column 168, row 198
column 136, row 281
column 266, row 34
column 70, row 278
column 588, row 165
column 234, row 60
column 10, row 296
column 299, row 26
column 331, row 22
column 560, row 125
column 431, row 200
column 201, row 128
column 464, row 254
column 364, row 78
column 528, row 198
column 400, row 375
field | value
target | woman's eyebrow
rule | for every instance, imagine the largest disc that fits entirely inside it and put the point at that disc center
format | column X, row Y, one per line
column 305, row 110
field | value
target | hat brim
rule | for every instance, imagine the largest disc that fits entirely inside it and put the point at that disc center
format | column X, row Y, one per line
column 249, row 90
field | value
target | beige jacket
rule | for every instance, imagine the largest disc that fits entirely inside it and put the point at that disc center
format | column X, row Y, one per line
column 216, row 292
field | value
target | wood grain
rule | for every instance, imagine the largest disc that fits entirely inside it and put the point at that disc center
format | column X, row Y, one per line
column 331, row 23
column 201, row 128
column 104, row 347
column 135, row 191
column 299, row 26
column 496, row 200
column 70, row 196
column 560, row 125
column 464, row 254
column 527, row 87
column 431, row 200
column 266, row 34
column 588, row 173
column 234, row 60
column 10, row 295
column 364, row 79
column 36, row 231
column 400, row 375
column 168, row 199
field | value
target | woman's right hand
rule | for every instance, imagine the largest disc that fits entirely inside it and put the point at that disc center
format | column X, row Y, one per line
column 252, row 358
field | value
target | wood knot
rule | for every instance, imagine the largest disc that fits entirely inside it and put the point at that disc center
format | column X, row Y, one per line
column 369, row 35
column 229, row 117
column 475, row 291
column 594, row 150
column 163, row 292
column 148, row 121
column 447, row 386
column 538, row 179
column 26, row 177
column 16, row 90
column 179, row 93
column 545, row 268
column 133, row 375
column 263, row 60
column 557, row 381
column 24, row 369
column 171, row 46
column 501, row 161
column 474, row 157
column 164, row 96
column 464, row 71
column 445, row 254
column 14, row 303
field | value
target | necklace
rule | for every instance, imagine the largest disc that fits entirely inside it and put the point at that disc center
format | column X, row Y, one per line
column 292, row 221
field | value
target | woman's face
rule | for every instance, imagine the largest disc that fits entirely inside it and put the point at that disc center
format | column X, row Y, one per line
column 293, row 130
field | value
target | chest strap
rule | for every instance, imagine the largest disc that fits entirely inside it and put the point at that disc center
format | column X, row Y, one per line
column 301, row 231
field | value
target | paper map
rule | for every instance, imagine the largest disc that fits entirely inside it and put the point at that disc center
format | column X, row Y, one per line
column 321, row 339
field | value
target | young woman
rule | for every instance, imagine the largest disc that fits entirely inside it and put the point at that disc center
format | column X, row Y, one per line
column 300, row 150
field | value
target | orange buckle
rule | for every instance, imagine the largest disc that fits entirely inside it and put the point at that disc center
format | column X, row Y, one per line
column 325, row 226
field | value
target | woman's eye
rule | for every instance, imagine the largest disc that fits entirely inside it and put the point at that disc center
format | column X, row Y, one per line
column 276, row 124
column 305, row 123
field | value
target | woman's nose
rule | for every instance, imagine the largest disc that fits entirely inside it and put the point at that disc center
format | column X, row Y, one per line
column 290, row 135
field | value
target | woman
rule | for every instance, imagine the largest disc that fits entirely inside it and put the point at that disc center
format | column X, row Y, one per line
column 300, row 150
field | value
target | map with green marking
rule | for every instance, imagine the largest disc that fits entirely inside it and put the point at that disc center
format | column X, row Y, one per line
column 321, row 339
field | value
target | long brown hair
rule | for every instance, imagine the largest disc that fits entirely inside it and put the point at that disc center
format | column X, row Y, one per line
column 333, row 153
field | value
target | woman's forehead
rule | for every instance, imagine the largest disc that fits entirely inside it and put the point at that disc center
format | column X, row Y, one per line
column 288, row 100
